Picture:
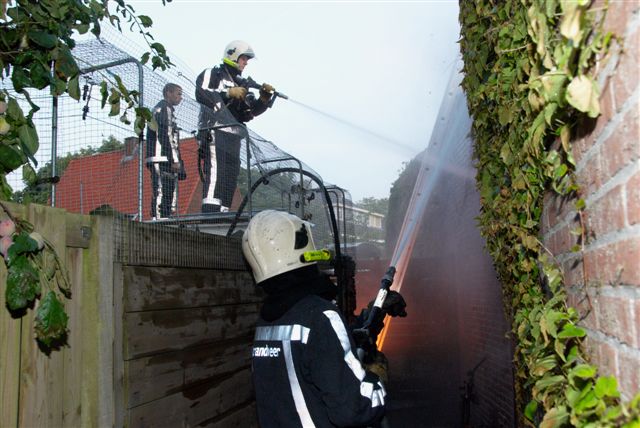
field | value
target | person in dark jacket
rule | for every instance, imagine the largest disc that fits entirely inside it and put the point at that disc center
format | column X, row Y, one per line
column 305, row 372
column 163, row 154
column 219, row 147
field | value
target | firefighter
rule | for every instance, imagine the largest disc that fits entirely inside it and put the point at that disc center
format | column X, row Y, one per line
column 305, row 372
column 219, row 149
column 163, row 154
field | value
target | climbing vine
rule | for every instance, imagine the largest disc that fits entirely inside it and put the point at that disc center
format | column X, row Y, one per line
column 34, row 271
column 527, row 77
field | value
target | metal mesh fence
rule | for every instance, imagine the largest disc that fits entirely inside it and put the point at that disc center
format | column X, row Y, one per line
column 103, row 167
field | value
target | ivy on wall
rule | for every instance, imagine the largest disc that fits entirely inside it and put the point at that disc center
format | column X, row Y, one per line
column 527, row 68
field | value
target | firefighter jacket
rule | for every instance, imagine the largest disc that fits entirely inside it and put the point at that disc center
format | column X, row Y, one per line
column 304, row 370
column 162, row 145
column 218, row 80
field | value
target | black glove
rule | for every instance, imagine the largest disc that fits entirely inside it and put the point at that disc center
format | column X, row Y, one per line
column 394, row 305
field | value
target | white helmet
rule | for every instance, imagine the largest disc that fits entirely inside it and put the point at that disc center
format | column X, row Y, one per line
column 275, row 243
column 234, row 50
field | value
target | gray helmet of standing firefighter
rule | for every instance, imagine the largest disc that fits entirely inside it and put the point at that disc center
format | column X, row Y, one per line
column 275, row 242
column 234, row 50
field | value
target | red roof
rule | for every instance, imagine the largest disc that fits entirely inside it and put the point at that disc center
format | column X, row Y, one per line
column 112, row 179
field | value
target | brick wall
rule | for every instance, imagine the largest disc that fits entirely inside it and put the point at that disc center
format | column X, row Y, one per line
column 603, row 280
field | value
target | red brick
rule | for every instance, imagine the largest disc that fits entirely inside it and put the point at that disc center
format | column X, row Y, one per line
column 636, row 314
column 590, row 261
column 615, row 318
column 580, row 146
column 627, row 255
column 590, row 175
column 628, row 373
column 622, row 148
column 578, row 299
column 607, row 112
column 618, row 15
column 625, row 77
column 632, row 189
column 614, row 264
column 608, row 363
column 607, row 213
column 572, row 269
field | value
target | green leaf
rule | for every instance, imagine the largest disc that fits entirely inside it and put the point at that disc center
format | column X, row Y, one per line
column 42, row 38
column 587, row 402
column 10, row 158
column 29, row 176
column 580, row 204
column 571, row 330
column 51, row 319
column 65, row 63
column 530, row 410
column 543, row 365
column 115, row 109
column 583, row 371
column 73, row 87
column 139, row 124
column 606, row 386
column 584, row 95
column 555, row 417
column 553, row 85
column 145, row 58
column 570, row 26
column 22, row 243
column 23, row 282
column 145, row 21
column 29, row 138
column 14, row 111
column 20, row 78
column 546, row 382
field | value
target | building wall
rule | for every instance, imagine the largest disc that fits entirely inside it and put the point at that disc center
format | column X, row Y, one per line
column 603, row 280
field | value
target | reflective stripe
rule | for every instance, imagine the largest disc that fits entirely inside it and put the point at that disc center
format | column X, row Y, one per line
column 295, row 332
column 286, row 334
column 213, row 174
column 296, row 391
column 206, row 79
column 366, row 388
column 154, row 159
column 156, row 207
column 211, row 201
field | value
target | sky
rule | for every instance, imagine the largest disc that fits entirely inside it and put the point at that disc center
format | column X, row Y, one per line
column 365, row 78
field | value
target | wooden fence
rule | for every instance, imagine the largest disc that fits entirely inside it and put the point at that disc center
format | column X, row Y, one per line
column 150, row 343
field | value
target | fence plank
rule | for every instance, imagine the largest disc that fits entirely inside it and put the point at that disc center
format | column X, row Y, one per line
column 205, row 402
column 151, row 378
column 41, row 376
column 152, row 332
column 73, row 353
column 9, row 359
column 153, row 288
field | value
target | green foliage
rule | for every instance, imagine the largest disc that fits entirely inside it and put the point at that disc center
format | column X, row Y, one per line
column 36, row 39
column 527, row 82
column 33, row 264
